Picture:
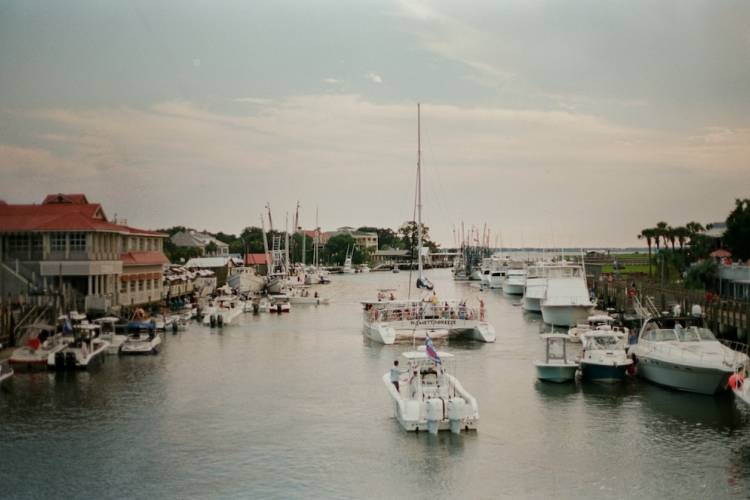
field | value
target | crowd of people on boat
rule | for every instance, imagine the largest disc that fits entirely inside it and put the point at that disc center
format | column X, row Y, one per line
column 425, row 310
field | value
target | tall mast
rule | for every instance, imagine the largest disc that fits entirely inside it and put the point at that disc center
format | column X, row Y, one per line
column 317, row 240
column 265, row 244
column 419, row 191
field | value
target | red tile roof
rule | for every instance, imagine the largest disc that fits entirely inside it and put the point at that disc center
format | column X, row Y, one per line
column 77, row 199
column 151, row 258
column 255, row 259
column 51, row 215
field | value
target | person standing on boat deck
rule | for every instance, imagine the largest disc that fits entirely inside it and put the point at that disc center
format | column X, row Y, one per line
column 396, row 376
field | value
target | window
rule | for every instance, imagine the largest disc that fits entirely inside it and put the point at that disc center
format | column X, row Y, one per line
column 156, row 284
column 132, row 286
column 77, row 242
column 148, row 284
column 140, row 285
column 57, row 242
column 124, row 287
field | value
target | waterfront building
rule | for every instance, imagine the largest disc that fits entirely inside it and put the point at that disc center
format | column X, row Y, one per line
column 734, row 281
column 68, row 245
column 257, row 261
column 195, row 239
column 390, row 256
column 362, row 239
column 220, row 266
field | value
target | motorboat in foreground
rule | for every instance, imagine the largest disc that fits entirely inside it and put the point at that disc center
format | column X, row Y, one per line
column 604, row 358
column 142, row 339
column 37, row 342
column 596, row 323
column 428, row 397
column 687, row 358
column 86, row 350
column 556, row 366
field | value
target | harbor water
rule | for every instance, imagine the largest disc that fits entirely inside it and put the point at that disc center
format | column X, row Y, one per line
column 293, row 406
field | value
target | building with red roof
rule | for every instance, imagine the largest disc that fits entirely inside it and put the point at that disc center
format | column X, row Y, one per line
column 68, row 244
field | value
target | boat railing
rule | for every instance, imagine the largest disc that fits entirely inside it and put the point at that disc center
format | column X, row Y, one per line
column 423, row 312
column 734, row 354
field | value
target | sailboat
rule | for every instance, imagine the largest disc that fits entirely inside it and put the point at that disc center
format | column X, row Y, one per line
column 348, row 269
column 386, row 321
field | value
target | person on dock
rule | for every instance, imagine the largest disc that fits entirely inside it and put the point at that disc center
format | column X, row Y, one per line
column 396, row 376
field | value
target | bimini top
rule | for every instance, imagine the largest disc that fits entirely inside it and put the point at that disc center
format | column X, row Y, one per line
column 421, row 354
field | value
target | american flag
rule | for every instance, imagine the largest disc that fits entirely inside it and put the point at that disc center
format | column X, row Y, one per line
column 431, row 352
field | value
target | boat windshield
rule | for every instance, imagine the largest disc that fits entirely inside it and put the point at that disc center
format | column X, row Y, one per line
column 695, row 334
column 660, row 335
column 602, row 342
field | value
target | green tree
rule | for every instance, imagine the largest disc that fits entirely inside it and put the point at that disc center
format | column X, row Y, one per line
column 408, row 233
column 702, row 275
column 334, row 251
column 211, row 248
column 648, row 235
column 225, row 238
column 252, row 240
column 296, row 248
column 737, row 235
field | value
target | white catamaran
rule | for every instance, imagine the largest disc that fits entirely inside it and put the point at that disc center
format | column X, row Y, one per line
column 388, row 319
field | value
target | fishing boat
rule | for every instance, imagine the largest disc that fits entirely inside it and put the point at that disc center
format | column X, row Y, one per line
column 386, row 321
column 672, row 353
column 515, row 279
column 348, row 268
column 38, row 342
column 142, row 339
column 556, row 367
column 245, row 280
column 604, row 358
column 109, row 333
column 86, row 350
column 428, row 397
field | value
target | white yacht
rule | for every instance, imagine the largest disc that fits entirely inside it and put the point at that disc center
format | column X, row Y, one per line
column 37, row 342
column 534, row 287
column 429, row 398
column 596, row 323
column 566, row 300
column 498, row 269
column 486, row 262
column 86, row 350
column 142, row 339
column 685, row 358
column 515, row 279
column 387, row 321
column 223, row 310
column 557, row 366
column 604, row 358
column 348, row 268
column 108, row 333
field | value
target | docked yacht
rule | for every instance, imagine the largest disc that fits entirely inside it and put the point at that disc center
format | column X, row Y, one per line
column 557, row 366
column 86, row 350
column 686, row 358
column 515, row 279
column 486, row 262
column 566, row 300
column 596, row 323
column 386, row 321
column 604, row 358
column 37, row 342
column 498, row 269
column 429, row 398
column 534, row 287
column 108, row 333
column 142, row 339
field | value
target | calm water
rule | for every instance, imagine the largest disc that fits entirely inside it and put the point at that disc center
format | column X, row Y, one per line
column 294, row 406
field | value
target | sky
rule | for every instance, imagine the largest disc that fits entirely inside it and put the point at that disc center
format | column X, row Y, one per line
column 555, row 123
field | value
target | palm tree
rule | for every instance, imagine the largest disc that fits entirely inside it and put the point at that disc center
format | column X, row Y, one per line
column 670, row 235
column 661, row 233
column 648, row 235
column 681, row 233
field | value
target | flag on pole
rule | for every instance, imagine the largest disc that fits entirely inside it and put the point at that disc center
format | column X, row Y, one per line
column 431, row 352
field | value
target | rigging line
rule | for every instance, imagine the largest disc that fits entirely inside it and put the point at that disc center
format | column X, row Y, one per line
column 440, row 197
column 414, row 218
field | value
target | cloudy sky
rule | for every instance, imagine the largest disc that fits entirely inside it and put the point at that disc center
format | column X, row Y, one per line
column 555, row 122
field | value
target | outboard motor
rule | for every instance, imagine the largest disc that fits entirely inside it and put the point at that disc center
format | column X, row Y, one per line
column 70, row 361
column 434, row 411
column 212, row 320
column 59, row 361
column 174, row 327
column 696, row 311
column 219, row 320
column 456, row 410
column 256, row 308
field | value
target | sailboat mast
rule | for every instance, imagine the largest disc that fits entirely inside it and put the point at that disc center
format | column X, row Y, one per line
column 317, row 240
column 419, row 190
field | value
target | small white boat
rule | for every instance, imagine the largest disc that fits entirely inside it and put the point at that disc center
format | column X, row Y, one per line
column 604, row 358
column 596, row 323
column 37, row 342
column 302, row 295
column 142, row 339
column 429, row 398
column 86, row 350
column 556, row 366
column 108, row 333
column 363, row 268
column 686, row 358
column 222, row 311
column 279, row 303
column 348, row 269
column 395, row 270
column 6, row 372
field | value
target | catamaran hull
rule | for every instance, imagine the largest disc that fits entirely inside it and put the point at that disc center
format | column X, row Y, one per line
column 565, row 315
column 684, row 378
column 595, row 372
column 389, row 333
